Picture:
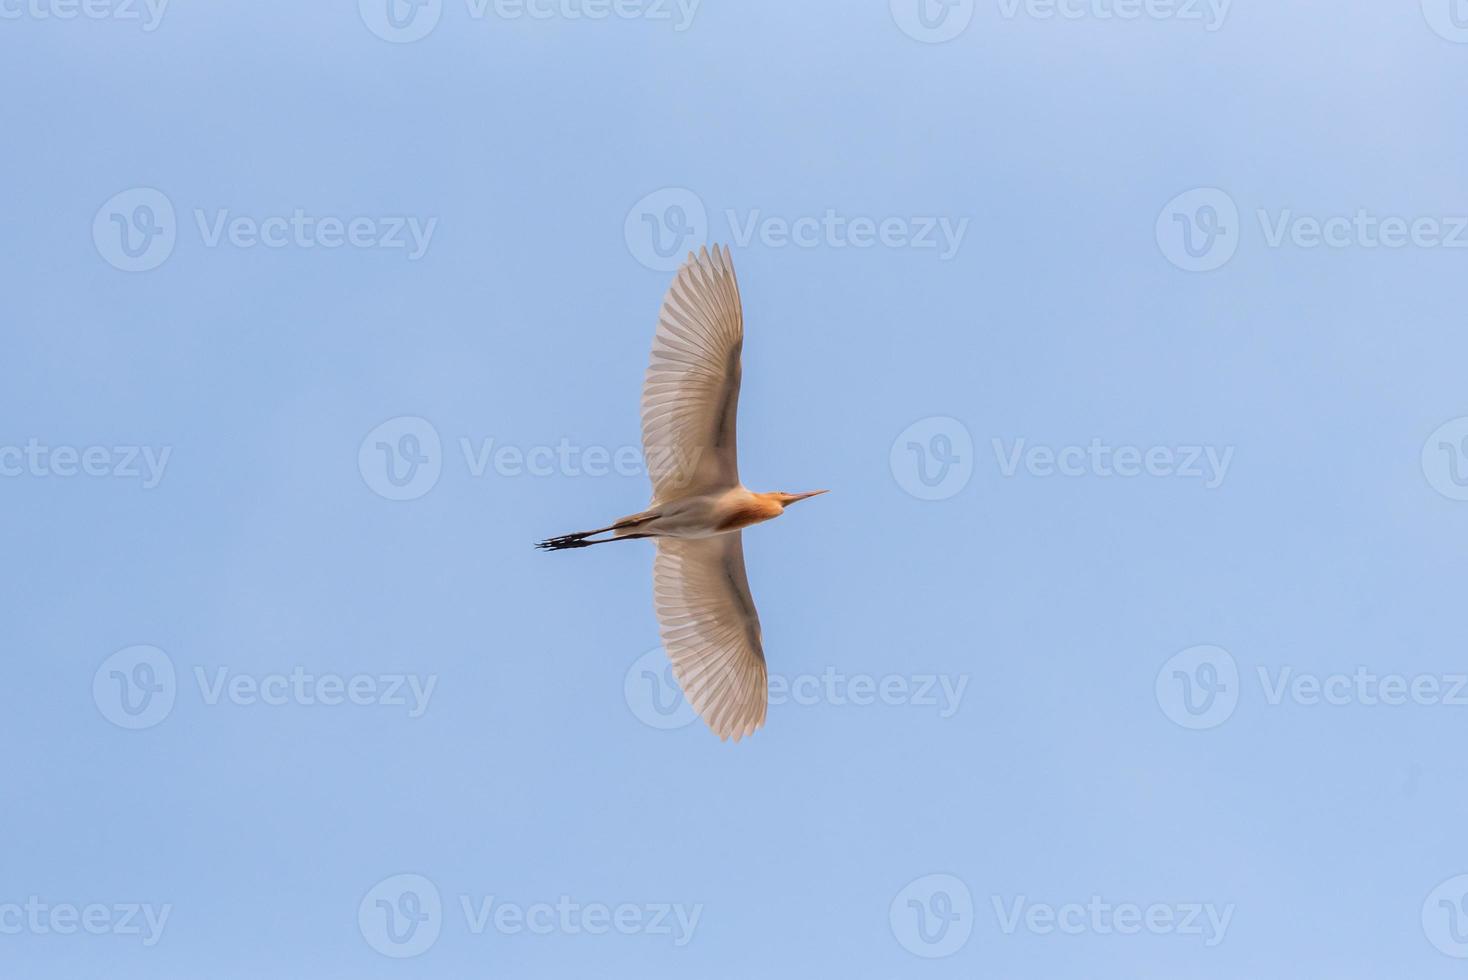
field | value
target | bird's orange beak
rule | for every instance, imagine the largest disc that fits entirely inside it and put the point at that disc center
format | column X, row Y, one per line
column 809, row 493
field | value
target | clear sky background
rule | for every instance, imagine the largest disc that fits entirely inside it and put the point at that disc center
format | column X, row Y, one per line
column 1094, row 756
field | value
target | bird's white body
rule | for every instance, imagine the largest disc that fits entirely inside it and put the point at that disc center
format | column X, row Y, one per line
column 704, row 515
column 690, row 403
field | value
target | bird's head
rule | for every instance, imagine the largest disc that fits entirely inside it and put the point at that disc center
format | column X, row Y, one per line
column 786, row 499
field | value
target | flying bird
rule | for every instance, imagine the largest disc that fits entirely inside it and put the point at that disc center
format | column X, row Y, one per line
column 690, row 399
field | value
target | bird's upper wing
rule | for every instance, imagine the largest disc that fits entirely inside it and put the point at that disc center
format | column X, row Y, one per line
column 691, row 394
column 711, row 630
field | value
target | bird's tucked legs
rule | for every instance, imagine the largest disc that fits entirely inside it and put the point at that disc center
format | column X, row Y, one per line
column 582, row 539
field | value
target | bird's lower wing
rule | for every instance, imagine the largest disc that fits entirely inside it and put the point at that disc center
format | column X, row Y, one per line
column 711, row 631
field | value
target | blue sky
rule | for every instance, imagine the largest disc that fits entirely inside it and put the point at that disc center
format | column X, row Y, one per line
column 1127, row 335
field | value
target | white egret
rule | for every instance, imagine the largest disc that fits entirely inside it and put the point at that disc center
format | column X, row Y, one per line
column 690, row 399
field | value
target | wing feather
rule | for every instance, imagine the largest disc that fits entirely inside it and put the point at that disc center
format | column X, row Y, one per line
column 711, row 631
column 690, row 397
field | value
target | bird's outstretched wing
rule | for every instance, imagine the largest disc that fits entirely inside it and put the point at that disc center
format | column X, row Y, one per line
column 710, row 629
column 691, row 394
